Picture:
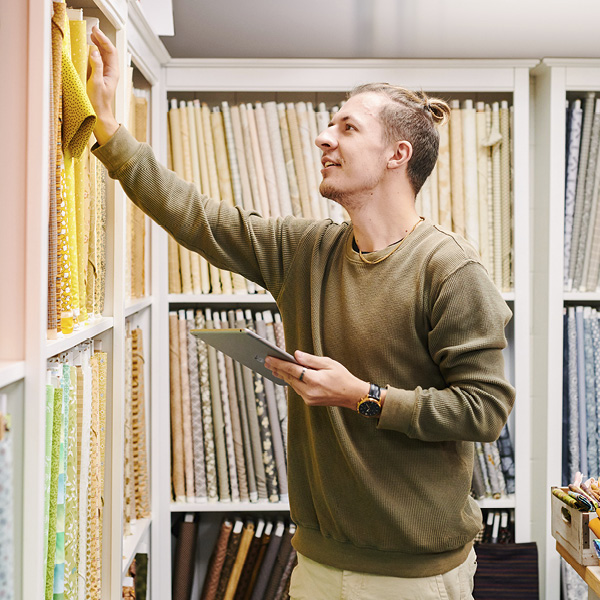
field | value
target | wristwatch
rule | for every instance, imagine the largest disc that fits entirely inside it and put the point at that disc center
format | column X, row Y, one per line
column 370, row 405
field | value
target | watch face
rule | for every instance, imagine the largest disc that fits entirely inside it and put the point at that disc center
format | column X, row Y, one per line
column 369, row 408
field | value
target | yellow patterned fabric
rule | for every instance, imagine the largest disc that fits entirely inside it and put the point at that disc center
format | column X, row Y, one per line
column 72, row 497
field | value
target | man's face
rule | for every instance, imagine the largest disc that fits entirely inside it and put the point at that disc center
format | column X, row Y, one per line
column 355, row 153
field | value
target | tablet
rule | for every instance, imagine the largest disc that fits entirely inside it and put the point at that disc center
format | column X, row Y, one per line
column 246, row 347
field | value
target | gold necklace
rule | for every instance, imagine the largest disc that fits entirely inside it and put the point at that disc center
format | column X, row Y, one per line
column 374, row 262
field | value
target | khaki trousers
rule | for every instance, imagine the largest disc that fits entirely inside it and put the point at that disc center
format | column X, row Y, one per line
column 314, row 581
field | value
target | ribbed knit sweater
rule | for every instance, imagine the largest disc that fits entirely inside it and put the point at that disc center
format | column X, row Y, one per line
column 391, row 495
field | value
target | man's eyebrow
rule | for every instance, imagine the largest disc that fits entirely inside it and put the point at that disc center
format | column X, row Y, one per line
column 346, row 118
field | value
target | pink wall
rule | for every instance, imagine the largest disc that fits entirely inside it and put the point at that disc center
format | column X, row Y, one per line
column 13, row 129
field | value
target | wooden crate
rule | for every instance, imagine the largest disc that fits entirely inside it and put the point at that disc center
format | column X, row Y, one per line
column 570, row 528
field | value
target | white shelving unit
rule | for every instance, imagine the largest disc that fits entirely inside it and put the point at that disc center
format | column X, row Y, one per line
column 553, row 80
column 308, row 78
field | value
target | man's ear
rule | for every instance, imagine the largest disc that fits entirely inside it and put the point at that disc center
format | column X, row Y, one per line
column 402, row 154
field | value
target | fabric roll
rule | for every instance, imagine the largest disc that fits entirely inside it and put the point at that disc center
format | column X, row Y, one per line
column 494, row 141
column 236, row 428
column 280, row 563
column 185, row 266
column 443, row 173
column 102, row 359
column 578, row 215
column 250, row 561
column 581, row 397
column 262, row 549
column 253, row 424
column 196, row 411
column 204, row 188
column 435, row 195
column 298, row 155
column 480, row 456
column 128, row 476
column 207, row 422
column 51, row 324
column 238, row 144
column 227, row 421
column 498, row 465
column 316, row 158
column 275, row 336
column 217, row 559
column 224, row 176
column 252, row 176
column 84, row 470
column 492, row 471
column 482, row 184
column 7, row 548
column 71, row 493
column 477, row 486
column 232, row 550
column 174, row 276
column 195, row 268
column 288, row 158
column 574, row 452
column 186, row 409
column 187, row 173
column 591, row 416
column 218, row 419
column 566, row 454
column 505, row 192
column 456, row 177
column 469, row 164
column 188, row 108
column 507, row 460
column 178, row 456
column 303, row 128
column 267, row 160
column 591, row 269
column 245, row 430
column 283, row 588
column 258, row 163
column 240, row 558
column 572, row 168
column 490, row 194
column 213, row 178
column 183, row 563
column 268, row 563
column 100, row 286
column 283, row 188
column 48, row 471
column 138, row 406
column 274, row 425
column 588, row 201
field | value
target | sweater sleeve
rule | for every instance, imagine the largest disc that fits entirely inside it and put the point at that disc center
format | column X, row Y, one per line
column 228, row 237
column 467, row 319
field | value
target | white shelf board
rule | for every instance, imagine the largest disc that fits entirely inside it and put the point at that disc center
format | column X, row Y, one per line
column 242, row 299
column 131, row 543
column 220, row 507
column 581, row 296
column 491, row 503
column 11, row 371
column 66, row 342
column 508, row 296
column 137, row 305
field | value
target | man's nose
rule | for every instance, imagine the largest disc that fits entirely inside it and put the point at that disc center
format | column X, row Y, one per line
column 326, row 139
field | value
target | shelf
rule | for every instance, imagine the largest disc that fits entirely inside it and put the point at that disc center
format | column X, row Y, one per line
column 11, row 371
column 230, row 299
column 508, row 296
column 581, row 297
column 137, row 305
column 221, row 507
column 131, row 543
column 54, row 347
column 491, row 503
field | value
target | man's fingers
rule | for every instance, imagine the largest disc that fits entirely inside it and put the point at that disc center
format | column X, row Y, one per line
column 97, row 65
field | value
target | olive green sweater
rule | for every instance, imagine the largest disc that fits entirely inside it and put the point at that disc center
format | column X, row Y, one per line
column 387, row 496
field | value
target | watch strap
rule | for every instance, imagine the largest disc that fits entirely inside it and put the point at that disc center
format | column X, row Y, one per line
column 374, row 391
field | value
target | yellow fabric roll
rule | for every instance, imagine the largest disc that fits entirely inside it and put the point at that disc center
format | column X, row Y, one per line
column 226, row 191
column 128, row 477
column 482, row 184
column 91, row 270
column 299, row 160
column 315, row 203
column 289, row 160
column 456, row 158
column 100, row 287
column 443, row 175
column 174, row 277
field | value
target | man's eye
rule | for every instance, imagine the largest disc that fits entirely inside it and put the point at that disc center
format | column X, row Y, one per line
column 348, row 126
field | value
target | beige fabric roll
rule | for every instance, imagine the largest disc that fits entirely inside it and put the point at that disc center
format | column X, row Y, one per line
column 185, row 265
column 316, row 156
column 289, row 160
column 482, row 184
column 283, row 188
column 490, row 191
column 236, row 124
column 456, row 169
column 240, row 558
column 177, row 458
column 216, row 121
column 425, row 196
column 90, row 288
column 186, row 410
column 128, row 480
column 267, row 160
column 471, row 200
column 215, row 275
column 252, row 177
column 234, row 169
column 315, row 203
column 443, row 173
column 204, row 188
column 505, row 191
column 298, row 155
column 435, row 198
column 494, row 141
column 174, row 277
column 256, row 154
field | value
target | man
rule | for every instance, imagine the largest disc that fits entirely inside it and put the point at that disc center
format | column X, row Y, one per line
column 398, row 331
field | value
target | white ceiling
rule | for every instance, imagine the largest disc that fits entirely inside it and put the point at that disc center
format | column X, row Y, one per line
column 385, row 28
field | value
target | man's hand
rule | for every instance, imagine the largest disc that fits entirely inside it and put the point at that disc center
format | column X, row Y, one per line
column 102, row 84
column 321, row 381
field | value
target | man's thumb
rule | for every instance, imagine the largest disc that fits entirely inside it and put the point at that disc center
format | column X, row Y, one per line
column 96, row 66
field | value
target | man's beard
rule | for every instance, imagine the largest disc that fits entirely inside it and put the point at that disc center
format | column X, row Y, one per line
column 346, row 199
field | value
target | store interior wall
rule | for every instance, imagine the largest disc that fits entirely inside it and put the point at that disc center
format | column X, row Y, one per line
column 385, row 29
